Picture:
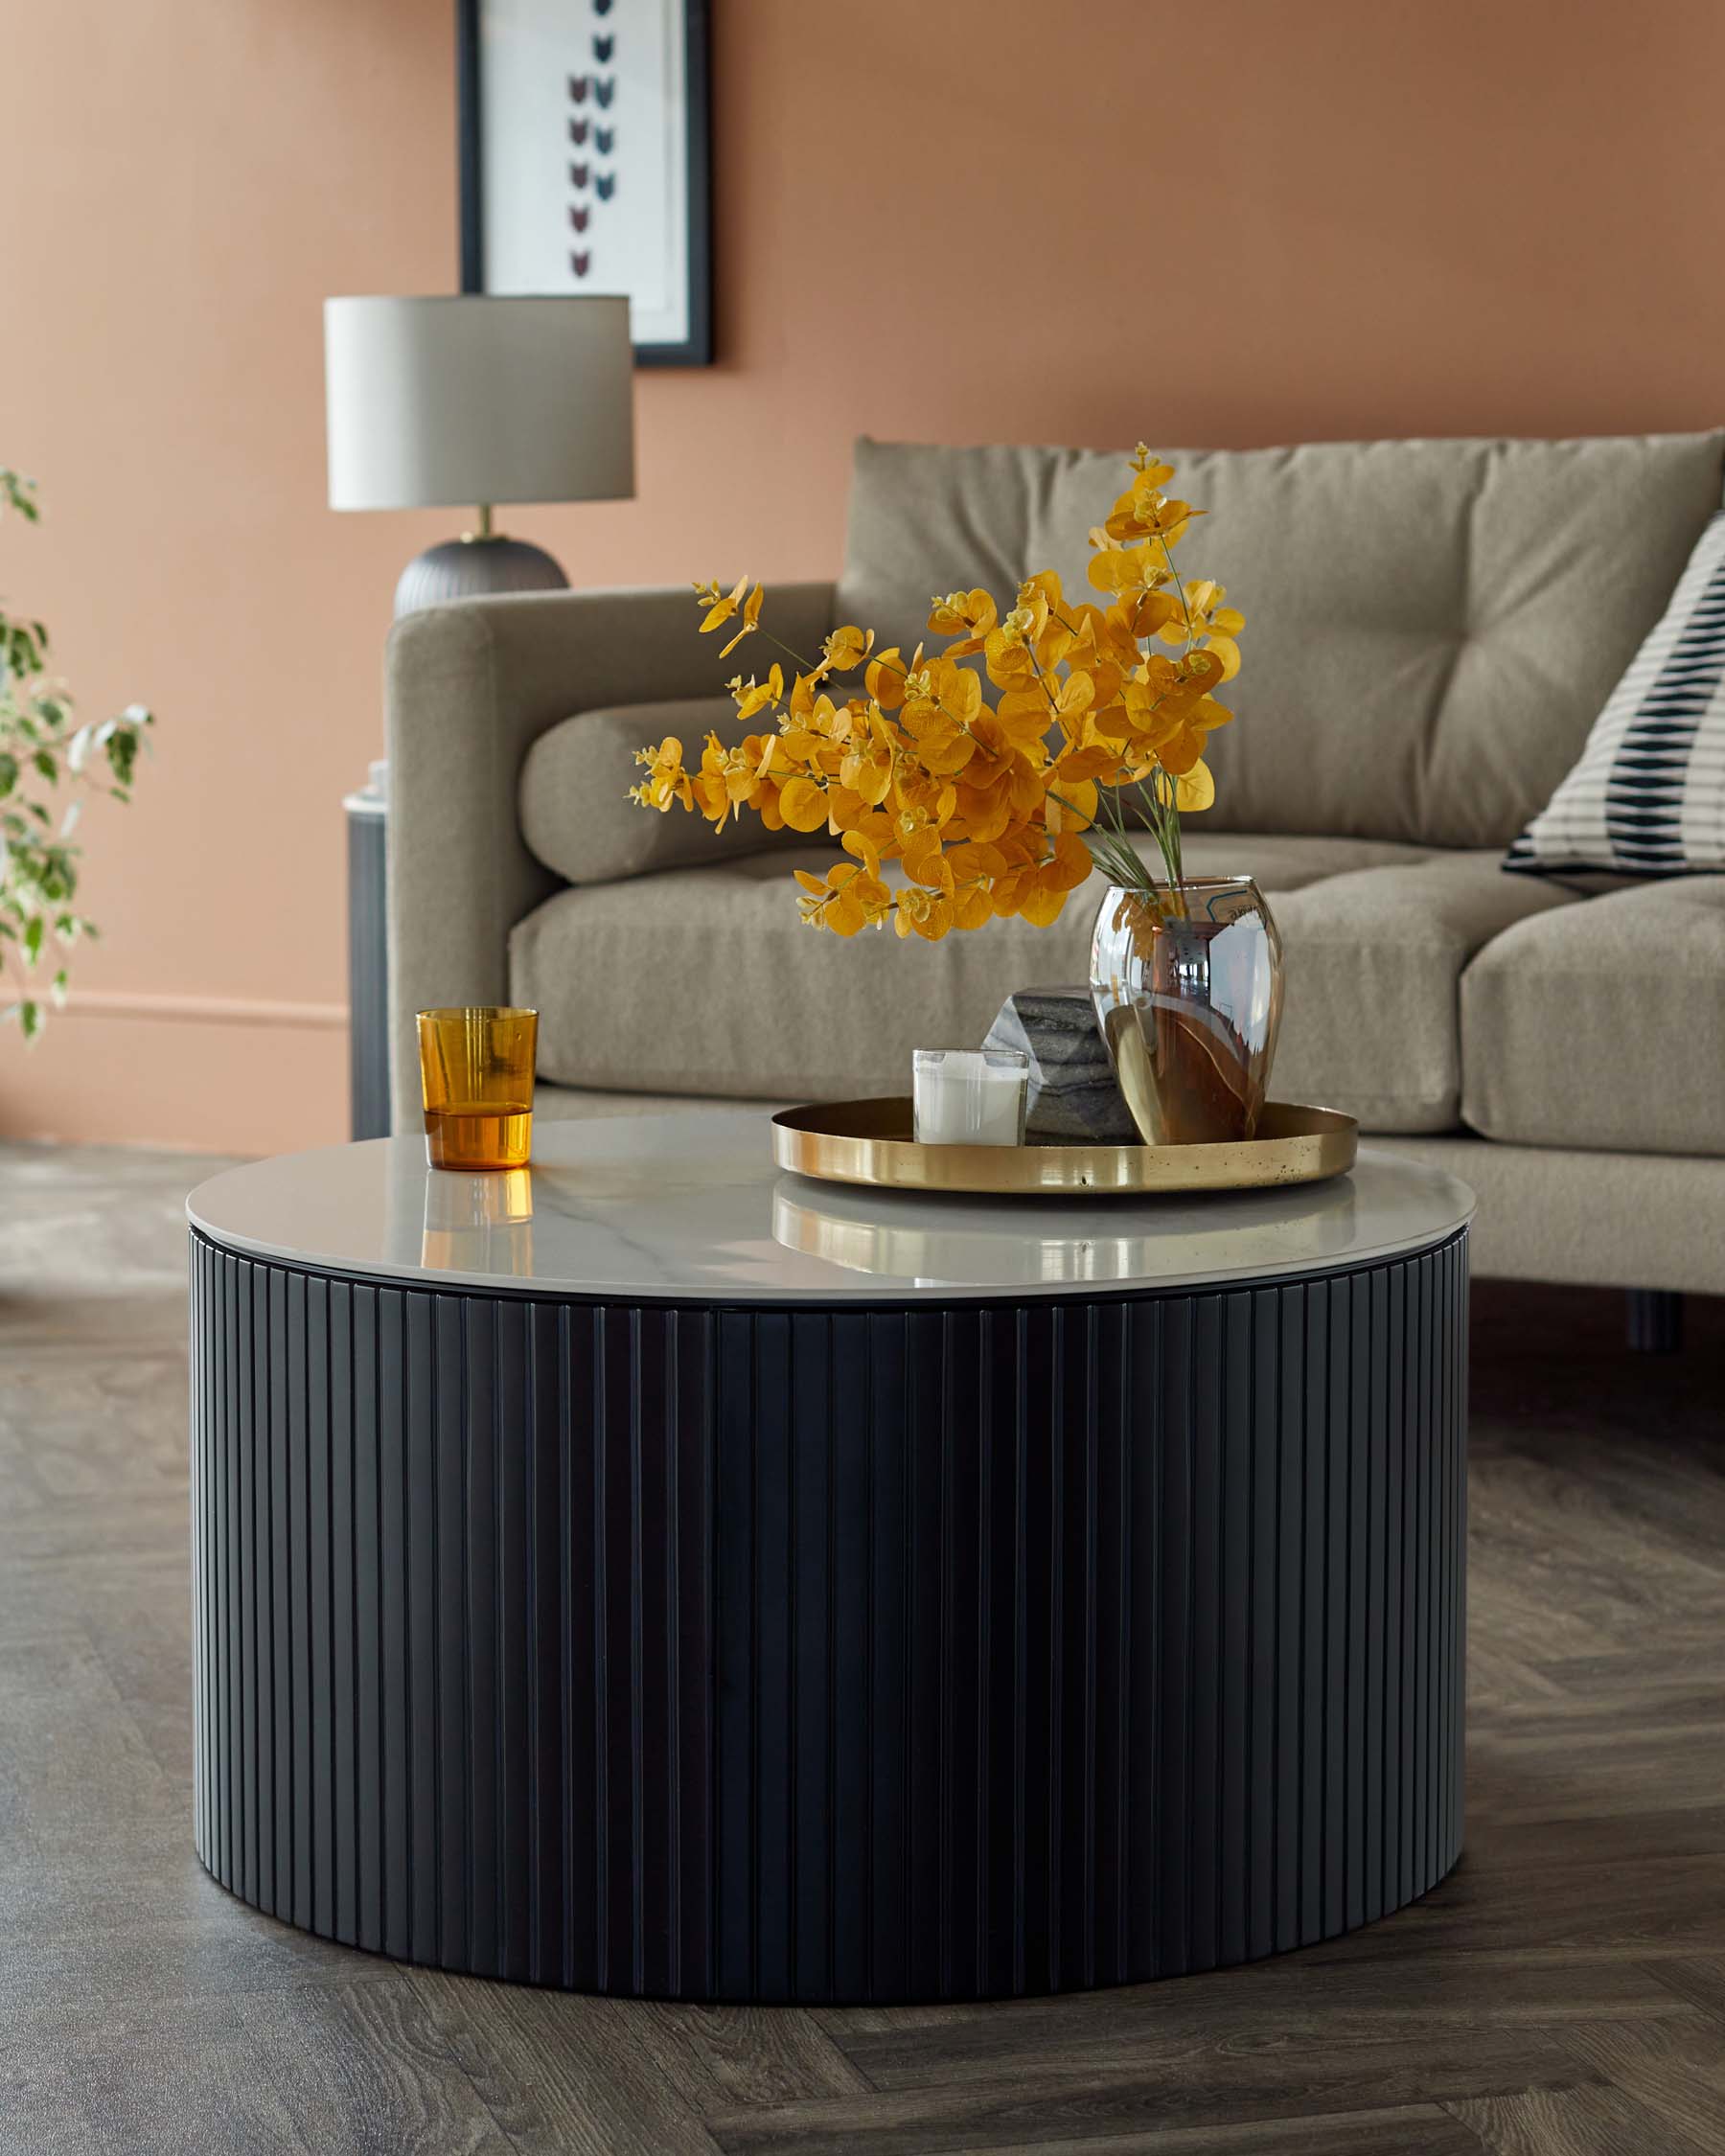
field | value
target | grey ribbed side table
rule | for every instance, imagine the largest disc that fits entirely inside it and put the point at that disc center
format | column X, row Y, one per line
column 657, row 1575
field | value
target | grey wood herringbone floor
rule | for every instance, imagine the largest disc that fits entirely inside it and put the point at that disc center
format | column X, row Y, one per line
column 1563, row 1992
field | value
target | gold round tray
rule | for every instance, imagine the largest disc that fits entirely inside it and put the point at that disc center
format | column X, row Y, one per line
column 870, row 1142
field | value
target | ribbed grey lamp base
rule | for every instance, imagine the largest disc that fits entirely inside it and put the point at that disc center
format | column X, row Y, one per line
column 475, row 568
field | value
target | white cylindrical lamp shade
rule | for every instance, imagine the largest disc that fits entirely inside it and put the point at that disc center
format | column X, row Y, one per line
column 435, row 402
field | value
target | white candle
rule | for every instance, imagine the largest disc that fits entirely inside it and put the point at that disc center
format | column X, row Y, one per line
column 970, row 1096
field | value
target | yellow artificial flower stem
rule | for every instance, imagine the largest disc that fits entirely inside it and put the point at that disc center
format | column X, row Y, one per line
column 1180, row 589
column 1042, row 681
column 808, row 666
column 970, row 794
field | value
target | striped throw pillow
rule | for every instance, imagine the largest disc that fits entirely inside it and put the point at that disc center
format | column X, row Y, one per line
column 1648, row 797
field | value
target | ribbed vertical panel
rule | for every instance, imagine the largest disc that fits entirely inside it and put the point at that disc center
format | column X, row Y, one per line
column 808, row 1654
column 368, row 976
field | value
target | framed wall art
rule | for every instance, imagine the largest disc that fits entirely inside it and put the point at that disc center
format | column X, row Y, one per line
column 585, row 133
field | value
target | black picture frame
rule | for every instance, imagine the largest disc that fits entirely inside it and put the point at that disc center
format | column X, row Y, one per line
column 695, row 349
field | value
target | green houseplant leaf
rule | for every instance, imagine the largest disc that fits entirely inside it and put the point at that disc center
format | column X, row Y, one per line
column 43, row 747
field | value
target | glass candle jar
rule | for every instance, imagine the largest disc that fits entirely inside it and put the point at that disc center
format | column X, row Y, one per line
column 970, row 1096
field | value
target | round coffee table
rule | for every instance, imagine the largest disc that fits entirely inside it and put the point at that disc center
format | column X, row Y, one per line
column 650, row 1573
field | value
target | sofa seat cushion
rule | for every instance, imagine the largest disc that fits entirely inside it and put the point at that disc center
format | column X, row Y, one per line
column 1373, row 961
column 1602, row 1023
column 576, row 813
column 705, row 982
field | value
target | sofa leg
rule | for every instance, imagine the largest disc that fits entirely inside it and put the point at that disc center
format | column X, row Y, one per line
column 1655, row 1320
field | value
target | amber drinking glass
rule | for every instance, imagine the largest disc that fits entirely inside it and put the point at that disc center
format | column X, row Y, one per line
column 476, row 1072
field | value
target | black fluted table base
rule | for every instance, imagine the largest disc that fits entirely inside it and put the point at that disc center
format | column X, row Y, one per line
column 796, row 1654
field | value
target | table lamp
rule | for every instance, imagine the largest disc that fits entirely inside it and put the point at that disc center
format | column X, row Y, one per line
column 482, row 400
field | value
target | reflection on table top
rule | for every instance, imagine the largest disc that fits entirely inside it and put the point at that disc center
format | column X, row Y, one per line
column 690, row 1207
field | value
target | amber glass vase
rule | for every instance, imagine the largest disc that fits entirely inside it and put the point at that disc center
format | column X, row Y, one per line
column 476, row 1072
column 1187, row 988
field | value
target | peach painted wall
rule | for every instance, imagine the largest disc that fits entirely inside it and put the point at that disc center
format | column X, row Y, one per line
column 1348, row 218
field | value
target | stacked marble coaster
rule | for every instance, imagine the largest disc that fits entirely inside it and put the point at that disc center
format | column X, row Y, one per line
column 1074, row 1097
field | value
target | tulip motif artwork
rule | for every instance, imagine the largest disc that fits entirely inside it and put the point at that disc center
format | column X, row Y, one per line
column 576, row 115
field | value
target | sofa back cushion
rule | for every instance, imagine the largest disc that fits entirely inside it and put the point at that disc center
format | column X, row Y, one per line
column 1431, row 627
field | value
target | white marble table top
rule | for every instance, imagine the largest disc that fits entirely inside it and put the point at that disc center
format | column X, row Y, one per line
column 691, row 1208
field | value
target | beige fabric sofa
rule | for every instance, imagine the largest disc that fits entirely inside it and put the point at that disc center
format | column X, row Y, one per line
column 1432, row 627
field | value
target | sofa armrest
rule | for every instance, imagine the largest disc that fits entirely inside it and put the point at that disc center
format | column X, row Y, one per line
column 469, row 688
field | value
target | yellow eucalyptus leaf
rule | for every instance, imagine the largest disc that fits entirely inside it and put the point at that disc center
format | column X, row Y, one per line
column 875, row 834
column 802, row 804
column 1042, row 907
column 972, row 907
column 1072, row 863
column 1024, row 788
column 845, row 808
column 1229, row 653
column 942, row 745
column 960, row 693
column 753, row 696
column 1077, row 694
column 1004, row 647
column 1126, row 569
column 869, row 777
column 845, row 914
column 966, row 616
column 1181, row 749
column 710, row 797
column 1026, row 728
column 1080, row 765
column 846, row 648
column 864, row 847
column 985, row 815
column 884, row 679
column 722, row 610
column 972, row 859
